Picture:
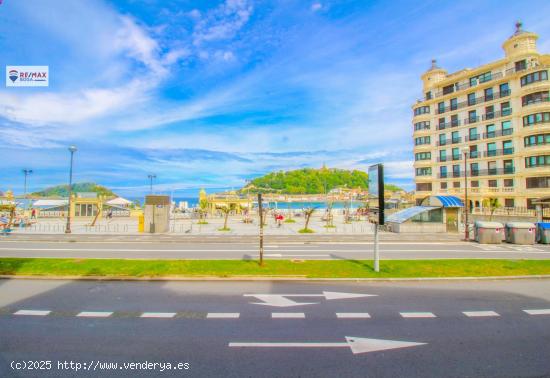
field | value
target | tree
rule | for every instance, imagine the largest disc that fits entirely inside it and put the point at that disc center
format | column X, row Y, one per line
column 226, row 210
column 492, row 204
column 308, row 212
column 203, row 207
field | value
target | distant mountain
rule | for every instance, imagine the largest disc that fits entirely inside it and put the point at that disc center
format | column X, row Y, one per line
column 63, row 190
column 311, row 181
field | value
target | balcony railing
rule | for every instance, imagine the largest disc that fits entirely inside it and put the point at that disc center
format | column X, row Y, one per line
column 471, row 120
column 442, row 142
column 499, row 113
column 476, row 101
column 479, row 172
column 536, row 101
column 469, row 138
column 456, row 140
column 498, row 133
column 446, row 125
column 504, row 151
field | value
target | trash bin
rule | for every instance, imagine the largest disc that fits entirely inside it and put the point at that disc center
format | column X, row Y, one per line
column 488, row 232
column 520, row 233
column 543, row 233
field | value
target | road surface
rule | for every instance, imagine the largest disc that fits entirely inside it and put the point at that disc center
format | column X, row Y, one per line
column 253, row 329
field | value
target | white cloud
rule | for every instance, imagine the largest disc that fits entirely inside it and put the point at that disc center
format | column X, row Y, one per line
column 223, row 22
column 316, row 7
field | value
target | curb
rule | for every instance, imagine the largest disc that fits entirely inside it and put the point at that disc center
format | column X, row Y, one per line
column 273, row 278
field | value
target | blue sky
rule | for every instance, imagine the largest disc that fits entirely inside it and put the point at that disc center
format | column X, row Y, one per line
column 211, row 93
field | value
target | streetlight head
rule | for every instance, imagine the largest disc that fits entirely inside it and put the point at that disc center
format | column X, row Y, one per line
column 465, row 149
column 72, row 148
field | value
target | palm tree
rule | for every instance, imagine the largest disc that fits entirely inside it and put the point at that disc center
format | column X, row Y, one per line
column 308, row 212
column 203, row 206
column 492, row 204
column 226, row 210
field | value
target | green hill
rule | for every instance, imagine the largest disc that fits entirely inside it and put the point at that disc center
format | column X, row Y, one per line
column 63, row 190
column 311, row 181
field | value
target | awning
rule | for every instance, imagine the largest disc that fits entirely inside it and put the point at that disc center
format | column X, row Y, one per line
column 406, row 214
column 443, row 201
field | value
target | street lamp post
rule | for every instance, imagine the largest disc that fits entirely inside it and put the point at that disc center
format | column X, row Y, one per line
column 72, row 150
column 466, row 150
column 26, row 172
column 151, row 177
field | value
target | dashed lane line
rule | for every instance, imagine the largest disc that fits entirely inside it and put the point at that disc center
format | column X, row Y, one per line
column 32, row 312
column 417, row 315
column 353, row 315
column 94, row 314
column 288, row 315
column 545, row 311
column 223, row 315
column 480, row 314
column 159, row 315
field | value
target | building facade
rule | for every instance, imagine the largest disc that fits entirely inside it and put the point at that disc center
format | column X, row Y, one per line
column 488, row 126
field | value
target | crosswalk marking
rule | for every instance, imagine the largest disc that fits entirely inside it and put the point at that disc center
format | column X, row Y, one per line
column 476, row 314
column 545, row 311
column 32, row 312
column 417, row 314
column 94, row 314
column 223, row 315
column 163, row 315
column 352, row 315
column 288, row 315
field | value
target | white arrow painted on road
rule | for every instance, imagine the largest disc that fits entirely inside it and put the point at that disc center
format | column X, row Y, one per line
column 282, row 300
column 356, row 344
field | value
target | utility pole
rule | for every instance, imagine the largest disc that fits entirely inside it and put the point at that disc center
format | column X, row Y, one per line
column 261, row 210
column 72, row 150
column 26, row 172
column 151, row 177
column 466, row 228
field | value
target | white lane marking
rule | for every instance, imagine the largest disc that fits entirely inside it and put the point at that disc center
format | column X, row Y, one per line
column 223, row 315
column 164, row 315
column 94, row 314
column 476, row 314
column 545, row 311
column 356, row 344
column 288, row 315
column 353, row 315
column 417, row 314
column 32, row 312
column 281, row 300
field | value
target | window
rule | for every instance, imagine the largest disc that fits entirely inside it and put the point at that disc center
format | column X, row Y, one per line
column 492, row 167
column 508, row 202
column 448, row 89
column 454, row 104
column 424, row 125
column 473, row 152
column 533, row 119
column 424, row 187
column 536, row 140
column 537, row 183
column 488, row 94
column 428, row 95
column 535, row 98
column 521, row 65
column 507, row 128
column 456, row 153
column 491, row 131
column 442, row 155
column 442, row 139
column 422, row 140
column 508, row 167
column 441, row 107
column 508, row 183
column 454, row 120
column 456, row 184
column 484, row 77
column 471, row 99
column 424, row 171
column 504, row 89
column 491, row 149
column 537, row 161
column 455, row 137
column 472, row 133
column 456, row 170
column 423, row 156
column 474, row 184
column 474, row 169
column 489, row 112
column 507, row 147
column 472, row 116
column 422, row 110
column 444, row 185
column 534, row 77
column 492, row 183
column 443, row 172
column 505, row 109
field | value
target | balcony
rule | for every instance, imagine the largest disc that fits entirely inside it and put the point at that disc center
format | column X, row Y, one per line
column 535, row 101
column 442, row 142
column 480, row 172
column 470, row 138
column 498, row 133
column 491, row 153
column 476, row 101
column 500, row 113
column 471, row 120
column 446, row 125
column 456, row 140
column 442, row 159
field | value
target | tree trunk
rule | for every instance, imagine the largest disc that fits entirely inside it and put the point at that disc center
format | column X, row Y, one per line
column 225, row 220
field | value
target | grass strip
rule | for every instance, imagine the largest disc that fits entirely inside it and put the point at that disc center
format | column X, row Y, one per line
column 310, row 268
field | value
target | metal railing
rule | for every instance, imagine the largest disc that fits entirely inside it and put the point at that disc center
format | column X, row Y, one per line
column 499, row 113
column 500, row 152
column 498, row 133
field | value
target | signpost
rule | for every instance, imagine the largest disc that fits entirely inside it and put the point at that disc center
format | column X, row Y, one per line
column 376, row 206
column 261, row 211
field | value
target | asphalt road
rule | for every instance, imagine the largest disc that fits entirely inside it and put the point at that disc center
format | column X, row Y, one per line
column 282, row 250
column 433, row 329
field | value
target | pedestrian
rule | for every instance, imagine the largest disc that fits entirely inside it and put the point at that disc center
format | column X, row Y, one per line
column 33, row 214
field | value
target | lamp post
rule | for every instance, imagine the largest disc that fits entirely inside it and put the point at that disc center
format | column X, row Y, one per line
column 151, row 177
column 72, row 150
column 466, row 151
column 26, row 172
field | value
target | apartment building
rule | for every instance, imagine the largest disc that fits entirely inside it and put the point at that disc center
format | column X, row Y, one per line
column 486, row 129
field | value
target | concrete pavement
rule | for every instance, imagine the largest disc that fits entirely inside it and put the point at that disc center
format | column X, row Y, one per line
column 451, row 329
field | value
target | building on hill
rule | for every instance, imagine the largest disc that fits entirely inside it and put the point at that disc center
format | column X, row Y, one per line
column 496, row 119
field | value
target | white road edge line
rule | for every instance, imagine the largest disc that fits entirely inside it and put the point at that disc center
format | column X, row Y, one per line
column 478, row 314
column 353, row 315
column 94, row 314
column 32, row 312
column 160, row 315
column 545, row 311
column 417, row 315
column 288, row 315
column 223, row 315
